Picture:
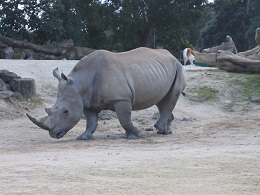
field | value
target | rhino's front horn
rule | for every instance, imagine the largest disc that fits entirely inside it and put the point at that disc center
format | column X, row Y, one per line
column 39, row 122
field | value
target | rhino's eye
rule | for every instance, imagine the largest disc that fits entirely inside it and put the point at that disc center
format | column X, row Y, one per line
column 66, row 112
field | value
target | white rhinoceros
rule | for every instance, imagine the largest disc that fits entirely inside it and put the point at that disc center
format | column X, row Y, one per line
column 121, row 82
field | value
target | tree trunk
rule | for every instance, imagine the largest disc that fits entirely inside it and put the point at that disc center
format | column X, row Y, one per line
column 147, row 34
column 227, row 45
column 52, row 49
column 251, row 54
column 229, row 61
column 225, row 58
column 76, row 53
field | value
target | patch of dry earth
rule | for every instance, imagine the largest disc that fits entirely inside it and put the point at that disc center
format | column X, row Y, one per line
column 211, row 150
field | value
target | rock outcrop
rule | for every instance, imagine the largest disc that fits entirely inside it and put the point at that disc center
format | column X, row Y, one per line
column 12, row 85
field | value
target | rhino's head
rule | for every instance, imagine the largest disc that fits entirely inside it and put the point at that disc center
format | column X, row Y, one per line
column 67, row 110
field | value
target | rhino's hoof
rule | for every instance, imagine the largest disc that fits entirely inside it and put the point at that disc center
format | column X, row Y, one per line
column 133, row 135
column 85, row 137
column 163, row 130
column 167, row 132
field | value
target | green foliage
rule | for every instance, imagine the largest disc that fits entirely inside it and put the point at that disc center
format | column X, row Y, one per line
column 17, row 17
column 251, row 84
column 114, row 24
column 253, row 7
column 121, row 25
column 236, row 18
column 35, row 101
column 153, row 23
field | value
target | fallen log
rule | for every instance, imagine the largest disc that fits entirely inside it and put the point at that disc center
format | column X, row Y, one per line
column 52, row 49
column 76, row 53
column 251, row 54
column 228, row 44
column 236, row 63
column 209, row 59
column 226, row 60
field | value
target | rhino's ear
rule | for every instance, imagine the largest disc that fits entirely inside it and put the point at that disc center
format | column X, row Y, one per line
column 48, row 111
column 63, row 76
column 57, row 74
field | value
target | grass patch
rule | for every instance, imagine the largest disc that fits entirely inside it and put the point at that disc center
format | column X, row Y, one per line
column 204, row 93
column 251, row 85
column 35, row 101
column 229, row 106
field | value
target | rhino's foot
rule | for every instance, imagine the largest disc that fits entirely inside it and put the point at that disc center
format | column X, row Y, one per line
column 85, row 136
column 164, row 130
column 132, row 135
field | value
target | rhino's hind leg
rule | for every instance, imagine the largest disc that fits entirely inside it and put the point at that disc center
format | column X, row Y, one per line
column 92, row 123
column 163, row 125
column 123, row 110
column 167, row 104
column 165, row 107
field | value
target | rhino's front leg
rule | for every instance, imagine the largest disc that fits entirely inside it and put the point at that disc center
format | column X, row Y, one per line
column 92, row 123
column 123, row 110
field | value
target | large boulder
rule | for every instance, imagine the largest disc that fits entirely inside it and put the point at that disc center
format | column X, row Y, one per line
column 25, row 86
column 11, row 84
column 4, row 86
column 7, row 76
column 8, row 53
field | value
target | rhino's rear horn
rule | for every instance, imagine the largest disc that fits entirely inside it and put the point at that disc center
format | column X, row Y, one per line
column 39, row 122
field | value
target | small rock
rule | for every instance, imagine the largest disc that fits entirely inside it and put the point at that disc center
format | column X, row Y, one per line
column 7, row 76
column 8, row 53
column 18, row 95
column 255, row 97
column 149, row 129
column 6, row 94
column 4, row 86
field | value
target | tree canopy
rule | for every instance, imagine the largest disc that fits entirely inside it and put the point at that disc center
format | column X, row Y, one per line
column 110, row 24
column 237, row 18
column 121, row 25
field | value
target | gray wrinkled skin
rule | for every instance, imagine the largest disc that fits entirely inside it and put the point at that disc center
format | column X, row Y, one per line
column 122, row 82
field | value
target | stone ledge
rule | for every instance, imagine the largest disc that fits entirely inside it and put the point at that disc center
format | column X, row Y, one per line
column 25, row 86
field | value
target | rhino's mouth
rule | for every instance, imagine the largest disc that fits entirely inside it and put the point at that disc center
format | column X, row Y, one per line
column 57, row 133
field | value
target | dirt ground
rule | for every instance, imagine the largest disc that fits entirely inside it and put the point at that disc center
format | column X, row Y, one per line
column 214, row 148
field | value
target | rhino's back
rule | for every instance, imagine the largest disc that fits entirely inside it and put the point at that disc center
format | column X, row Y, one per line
column 142, row 75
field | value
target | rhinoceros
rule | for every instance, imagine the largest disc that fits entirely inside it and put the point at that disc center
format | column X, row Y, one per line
column 122, row 82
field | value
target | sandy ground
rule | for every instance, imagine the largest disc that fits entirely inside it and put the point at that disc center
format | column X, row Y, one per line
column 212, row 150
